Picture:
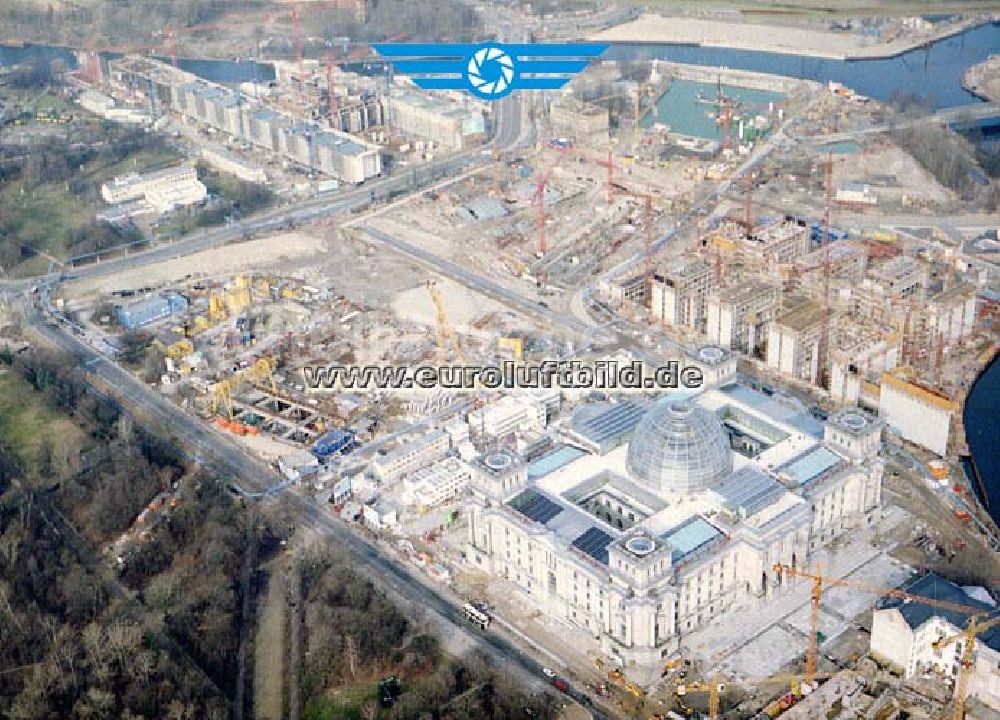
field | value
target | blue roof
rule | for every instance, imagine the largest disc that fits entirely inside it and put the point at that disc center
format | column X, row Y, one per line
column 553, row 460
column 594, row 542
column 749, row 490
column 810, row 466
column 690, row 536
column 619, row 419
column 535, row 506
column 936, row 587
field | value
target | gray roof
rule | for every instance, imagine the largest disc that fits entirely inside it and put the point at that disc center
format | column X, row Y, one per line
column 748, row 491
column 616, row 420
column 801, row 420
column 342, row 145
column 486, row 208
column 936, row 587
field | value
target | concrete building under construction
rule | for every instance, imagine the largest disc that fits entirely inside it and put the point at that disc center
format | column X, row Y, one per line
column 325, row 151
column 793, row 341
column 449, row 124
column 738, row 317
column 680, row 292
column 582, row 121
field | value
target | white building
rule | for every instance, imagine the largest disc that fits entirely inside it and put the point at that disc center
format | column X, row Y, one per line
column 658, row 537
column 904, row 633
column 164, row 190
column 410, row 456
column 679, row 294
column 437, row 483
column 297, row 465
column 918, row 414
column 228, row 163
column 856, row 194
column 507, row 415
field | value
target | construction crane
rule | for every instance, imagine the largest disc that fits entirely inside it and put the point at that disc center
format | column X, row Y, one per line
column 715, row 688
column 824, row 331
column 539, row 199
column 260, row 372
column 965, row 668
column 171, row 46
column 445, row 333
column 331, row 98
column 647, row 201
column 820, row 581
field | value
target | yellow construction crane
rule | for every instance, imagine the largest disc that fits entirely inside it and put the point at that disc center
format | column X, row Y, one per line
column 261, row 372
column 820, row 581
column 968, row 649
column 445, row 333
column 715, row 688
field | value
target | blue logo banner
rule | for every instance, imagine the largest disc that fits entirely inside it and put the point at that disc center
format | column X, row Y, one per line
column 490, row 70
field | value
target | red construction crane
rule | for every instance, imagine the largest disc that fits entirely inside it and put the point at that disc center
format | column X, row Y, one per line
column 171, row 46
column 297, row 30
column 540, row 200
column 330, row 95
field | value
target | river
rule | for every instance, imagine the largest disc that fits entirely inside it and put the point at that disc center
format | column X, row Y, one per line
column 982, row 414
column 934, row 72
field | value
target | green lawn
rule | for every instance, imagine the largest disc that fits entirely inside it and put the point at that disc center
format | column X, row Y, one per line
column 25, row 419
column 344, row 703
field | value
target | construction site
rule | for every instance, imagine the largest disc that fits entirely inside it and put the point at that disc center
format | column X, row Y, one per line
column 838, row 345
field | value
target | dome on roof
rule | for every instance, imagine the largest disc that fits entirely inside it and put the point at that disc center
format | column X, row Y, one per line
column 679, row 447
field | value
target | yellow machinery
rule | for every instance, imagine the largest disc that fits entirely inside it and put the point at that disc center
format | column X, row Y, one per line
column 716, row 688
column 177, row 350
column 818, row 583
column 445, row 333
column 261, row 372
column 514, row 345
column 216, row 307
column 965, row 667
column 619, row 679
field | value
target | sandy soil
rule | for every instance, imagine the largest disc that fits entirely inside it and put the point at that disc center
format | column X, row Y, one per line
column 462, row 305
column 747, row 36
column 230, row 259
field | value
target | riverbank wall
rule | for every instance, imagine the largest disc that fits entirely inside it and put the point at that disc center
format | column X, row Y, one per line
column 784, row 39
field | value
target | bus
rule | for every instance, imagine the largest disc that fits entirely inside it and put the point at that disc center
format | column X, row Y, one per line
column 475, row 616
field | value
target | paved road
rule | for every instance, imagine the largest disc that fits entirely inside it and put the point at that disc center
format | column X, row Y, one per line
column 976, row 111
column 483, row 285
column 220, row 452
column 511, row 135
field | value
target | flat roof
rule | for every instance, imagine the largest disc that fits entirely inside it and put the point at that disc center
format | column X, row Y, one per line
column 748, row 491
column 343, row 145
column 810, row 466
column 614, row 422
column 594, row 542
column 553, row 460
column 690, row 536
column 803, row 316
column 535, row 506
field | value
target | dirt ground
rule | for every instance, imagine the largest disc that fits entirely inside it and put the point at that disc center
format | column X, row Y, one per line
column 269, row 650
column 226, row 260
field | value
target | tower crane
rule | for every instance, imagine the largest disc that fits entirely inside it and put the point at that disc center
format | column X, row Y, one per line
column 820, row 581
column 445, row 332
column 965, row 667
column 715, row 687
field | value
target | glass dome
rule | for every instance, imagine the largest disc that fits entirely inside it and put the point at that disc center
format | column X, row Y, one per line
column 679, row 448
